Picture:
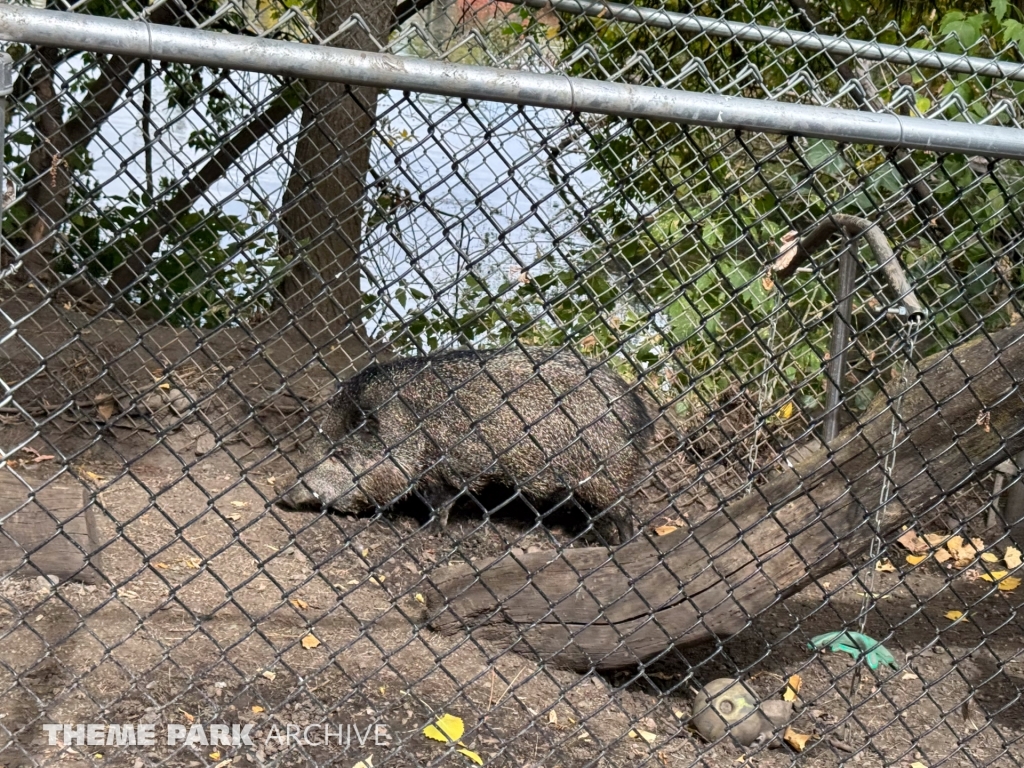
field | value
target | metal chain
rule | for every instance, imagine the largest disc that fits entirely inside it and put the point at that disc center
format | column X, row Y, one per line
column 913, row 326
column 763, row 393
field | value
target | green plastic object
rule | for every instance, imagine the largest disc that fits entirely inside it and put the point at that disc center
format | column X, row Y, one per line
column 854, row 643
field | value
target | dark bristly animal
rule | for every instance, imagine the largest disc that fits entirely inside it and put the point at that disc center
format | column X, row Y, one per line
column 539, row 421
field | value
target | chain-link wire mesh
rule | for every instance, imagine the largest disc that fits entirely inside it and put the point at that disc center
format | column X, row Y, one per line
column 346, row 426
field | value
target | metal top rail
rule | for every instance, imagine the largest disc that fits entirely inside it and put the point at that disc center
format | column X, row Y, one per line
column 134, row 38
column 810, row 41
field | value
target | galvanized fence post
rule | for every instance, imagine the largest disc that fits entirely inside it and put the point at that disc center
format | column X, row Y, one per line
column 6, row 86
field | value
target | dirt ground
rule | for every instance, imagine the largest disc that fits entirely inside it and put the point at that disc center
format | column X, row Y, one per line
column 218, row 607
column 213, row 591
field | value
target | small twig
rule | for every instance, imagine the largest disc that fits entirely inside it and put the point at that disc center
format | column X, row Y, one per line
column 836, row 742
column 509, row 687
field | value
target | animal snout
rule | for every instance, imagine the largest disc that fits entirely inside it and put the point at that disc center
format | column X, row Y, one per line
column 328, row 484
column 300, row 497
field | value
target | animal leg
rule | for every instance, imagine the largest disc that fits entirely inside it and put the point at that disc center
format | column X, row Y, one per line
column 440, row 499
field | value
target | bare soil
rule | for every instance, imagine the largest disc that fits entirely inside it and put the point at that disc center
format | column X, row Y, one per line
column 218, row 607
column 212, row 591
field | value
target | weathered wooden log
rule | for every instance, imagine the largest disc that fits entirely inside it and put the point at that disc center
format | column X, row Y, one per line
column 593, row 607
column 47, row 528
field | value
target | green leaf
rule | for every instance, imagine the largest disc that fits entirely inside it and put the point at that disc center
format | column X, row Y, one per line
column 966, row 33
column 683, row 318
column 1013, row 31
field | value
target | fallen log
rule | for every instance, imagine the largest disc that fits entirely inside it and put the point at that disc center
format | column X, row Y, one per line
column 962, row 414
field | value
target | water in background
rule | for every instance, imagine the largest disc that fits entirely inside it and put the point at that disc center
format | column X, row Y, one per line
column 477, row 177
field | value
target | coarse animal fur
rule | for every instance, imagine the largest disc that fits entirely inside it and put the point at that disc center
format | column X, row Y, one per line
column 541, row 421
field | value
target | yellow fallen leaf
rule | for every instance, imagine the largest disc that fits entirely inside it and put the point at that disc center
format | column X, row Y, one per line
column 473, row 756
column 796, row 740
column 298, row 603
column 786, row 411
column 918, row 765
column 994, row 576
column 310, row 642
column 942, row 555
column 419, row 598
column 240, row 504
column 383, row 689
column 647, row 736
column 1012, row 558
column 98, row 756
column 165, row 385
column 792, row 688
column 934, row 539
column 1009, row 583
column 164, row 566
column 553, row 717
column 257, row 708
column 884, row 566
column 916, row 559
column 364, row 552
column 188, row 717
column 447, row 728
column 367, row 763
column 963, row 552
column 215, row 755
column 664, row 530
column 233, row 516
column 954, row 615
column 192, row 562
column 990, row 557
column 270, row 675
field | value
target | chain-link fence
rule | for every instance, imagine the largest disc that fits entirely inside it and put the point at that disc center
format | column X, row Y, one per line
column 425, row 414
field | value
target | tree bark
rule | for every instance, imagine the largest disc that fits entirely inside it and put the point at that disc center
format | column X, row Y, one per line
column 48, row 167
column 321, row 224
column 590, row 607
column 56, row 141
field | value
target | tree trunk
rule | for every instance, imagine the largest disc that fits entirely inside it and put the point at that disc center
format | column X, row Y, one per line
column 56, row 140
column 590, row 607
column 48, row 167
column 321, row 222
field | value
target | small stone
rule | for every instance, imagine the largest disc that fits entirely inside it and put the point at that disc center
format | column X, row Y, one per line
column 204, row 444
column 179, row 401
